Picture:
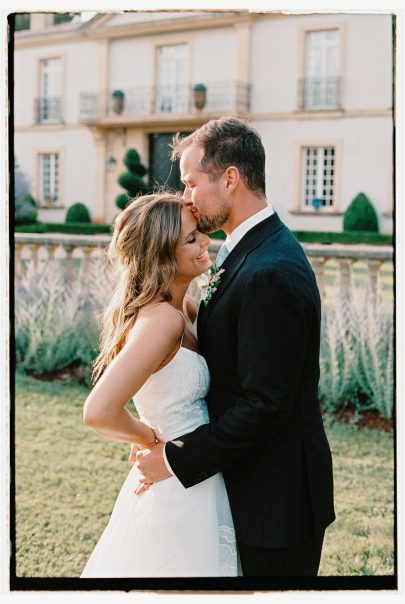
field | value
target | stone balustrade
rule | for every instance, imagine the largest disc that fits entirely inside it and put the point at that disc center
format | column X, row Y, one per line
column 334, row 262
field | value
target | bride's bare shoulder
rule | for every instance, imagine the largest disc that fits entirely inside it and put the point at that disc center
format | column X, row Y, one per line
column 161, row 315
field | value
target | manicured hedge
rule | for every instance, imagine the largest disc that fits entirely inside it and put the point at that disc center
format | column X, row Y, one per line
column 351, row 237
column 218, row 235
column 78, row 228
column 72, row 228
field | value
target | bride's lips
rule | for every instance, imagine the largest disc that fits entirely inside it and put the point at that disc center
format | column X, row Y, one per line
column 203, row 257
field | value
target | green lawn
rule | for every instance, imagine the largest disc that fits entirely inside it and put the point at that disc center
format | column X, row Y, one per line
column 67, row 478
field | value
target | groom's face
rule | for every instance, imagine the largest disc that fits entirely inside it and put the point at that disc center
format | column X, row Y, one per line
column 204, row 197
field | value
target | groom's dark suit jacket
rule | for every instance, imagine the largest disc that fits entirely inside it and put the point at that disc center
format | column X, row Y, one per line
column 260, row 336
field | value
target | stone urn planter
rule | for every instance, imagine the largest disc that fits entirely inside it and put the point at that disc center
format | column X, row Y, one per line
column 118, row 101
column 199, row 96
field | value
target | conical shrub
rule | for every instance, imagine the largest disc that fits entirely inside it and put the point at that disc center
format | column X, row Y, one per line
column 360, row 215
column 132, row 180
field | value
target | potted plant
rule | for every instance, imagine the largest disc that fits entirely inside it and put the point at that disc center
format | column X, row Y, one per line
column 118, row 98
column 199, row 95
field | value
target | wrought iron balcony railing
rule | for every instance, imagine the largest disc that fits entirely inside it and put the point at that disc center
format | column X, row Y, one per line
column 319, row 93
column 213, row 97
column 48, row 109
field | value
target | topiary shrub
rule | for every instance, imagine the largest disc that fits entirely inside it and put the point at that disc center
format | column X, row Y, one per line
column 360, row 215
column 132, row 181
column 78, row 212
column 25, row 211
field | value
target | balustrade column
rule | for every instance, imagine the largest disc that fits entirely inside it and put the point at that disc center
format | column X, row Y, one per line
column 86, row 262
column 69, row 249
column 318, row 264
column 34, row 253
column 18, row 267
column 51, row 249
column 373, row 273
column 345, row 274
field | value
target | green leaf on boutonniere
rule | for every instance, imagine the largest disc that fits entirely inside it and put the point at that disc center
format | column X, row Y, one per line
column 210, row 283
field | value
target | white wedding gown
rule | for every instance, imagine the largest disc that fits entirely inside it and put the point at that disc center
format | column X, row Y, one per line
column 170, row 531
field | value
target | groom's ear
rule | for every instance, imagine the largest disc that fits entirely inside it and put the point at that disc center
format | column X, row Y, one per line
column 232, row 176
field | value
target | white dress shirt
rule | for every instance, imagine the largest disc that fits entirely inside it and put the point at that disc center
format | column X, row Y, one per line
column 231, row 241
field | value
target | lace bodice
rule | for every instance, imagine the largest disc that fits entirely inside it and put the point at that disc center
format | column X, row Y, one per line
column 172, row 400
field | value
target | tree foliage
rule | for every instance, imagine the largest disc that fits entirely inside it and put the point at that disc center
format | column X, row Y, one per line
column 132, row 180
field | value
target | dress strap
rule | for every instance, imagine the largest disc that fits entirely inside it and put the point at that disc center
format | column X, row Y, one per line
column 184, row 330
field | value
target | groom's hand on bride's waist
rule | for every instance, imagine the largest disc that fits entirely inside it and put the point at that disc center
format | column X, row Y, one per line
column 151, row 465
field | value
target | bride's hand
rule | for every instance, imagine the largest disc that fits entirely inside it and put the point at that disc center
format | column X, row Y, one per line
column 132, row 459
column 132, row 453
column 135, row 447
column 143, row 487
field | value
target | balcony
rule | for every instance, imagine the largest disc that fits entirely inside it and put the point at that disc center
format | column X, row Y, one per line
column 165, row 102
column 48, row 110
column 319, row 93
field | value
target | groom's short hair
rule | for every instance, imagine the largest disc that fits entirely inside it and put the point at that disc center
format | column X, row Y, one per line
column 228, row 141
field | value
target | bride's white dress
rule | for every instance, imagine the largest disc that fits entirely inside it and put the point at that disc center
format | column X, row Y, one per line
column 169, row 531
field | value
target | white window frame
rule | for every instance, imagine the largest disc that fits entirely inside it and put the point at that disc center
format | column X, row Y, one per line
column 172, row 96
column 339, row 25
column 321, row 81
column 299, row 206
column 50, row 197
column 50, row 89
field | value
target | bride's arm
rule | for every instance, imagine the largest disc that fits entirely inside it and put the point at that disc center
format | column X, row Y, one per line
column 154, row 336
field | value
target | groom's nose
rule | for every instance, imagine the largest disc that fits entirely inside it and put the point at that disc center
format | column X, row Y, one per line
column 186, row 194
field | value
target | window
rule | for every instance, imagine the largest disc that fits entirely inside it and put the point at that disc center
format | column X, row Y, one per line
column 49, row 178
column 317, row 178
column 49, row 104
column 172, row 74
column 22, row 21
column 59, row 18
column 320, row 86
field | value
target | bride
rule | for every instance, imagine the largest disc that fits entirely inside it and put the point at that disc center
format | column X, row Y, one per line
column 148, row 352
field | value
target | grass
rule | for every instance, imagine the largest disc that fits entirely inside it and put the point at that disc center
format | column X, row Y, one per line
column 67, row 478
column 360, row 541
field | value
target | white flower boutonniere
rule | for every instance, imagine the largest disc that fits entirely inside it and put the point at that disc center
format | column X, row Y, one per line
column 210, row 283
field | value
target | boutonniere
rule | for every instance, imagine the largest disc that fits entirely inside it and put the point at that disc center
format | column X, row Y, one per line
column 210, row 282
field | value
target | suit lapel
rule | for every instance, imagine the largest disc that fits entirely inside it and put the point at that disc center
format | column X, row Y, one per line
column 235, row 260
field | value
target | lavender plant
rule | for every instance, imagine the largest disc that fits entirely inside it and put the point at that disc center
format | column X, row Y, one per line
column 56, row 324
column 56, row 318
column 357, row 353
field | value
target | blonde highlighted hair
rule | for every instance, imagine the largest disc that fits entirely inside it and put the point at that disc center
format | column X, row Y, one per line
column 142, row 254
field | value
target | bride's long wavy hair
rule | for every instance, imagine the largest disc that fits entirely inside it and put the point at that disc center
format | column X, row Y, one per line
column 142, row 255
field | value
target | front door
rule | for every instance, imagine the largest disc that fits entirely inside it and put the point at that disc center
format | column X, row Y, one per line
column 162, row 171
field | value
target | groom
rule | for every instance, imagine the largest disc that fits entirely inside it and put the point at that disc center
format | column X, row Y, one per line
column 259, row 333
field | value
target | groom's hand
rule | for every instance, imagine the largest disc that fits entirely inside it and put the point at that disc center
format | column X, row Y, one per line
column 151, row 465
column 133, row 452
